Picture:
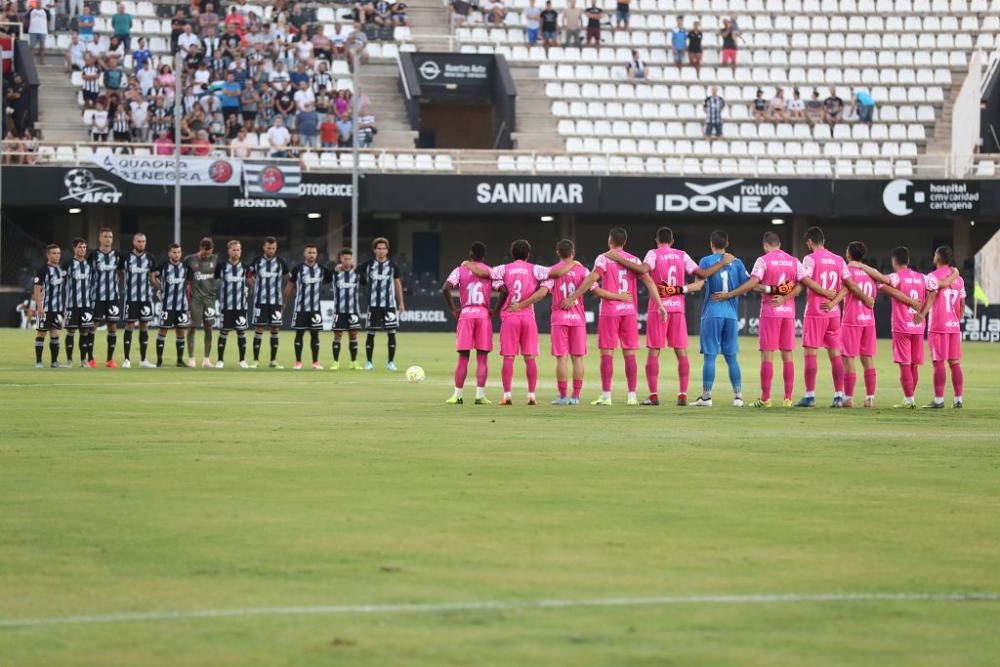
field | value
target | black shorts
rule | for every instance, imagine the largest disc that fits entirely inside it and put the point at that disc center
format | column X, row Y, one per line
column 235, row 320
column 175, row 319
column 347, row 322
column 268, row 315
column 51, row 322
column 382, row 319
column 107, row 311
column 308, row 319
column 139, row 311
column 80, row 318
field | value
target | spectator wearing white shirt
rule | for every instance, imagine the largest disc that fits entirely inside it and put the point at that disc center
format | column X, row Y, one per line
column 187, row 39
column 366, row 128
column 140, row 121
column 146, row 77
column 38, row 30
column 74, row 54
column 278, row 137
column 278, row 78
column 240, row 147
column 357, row 42
column 304, row 96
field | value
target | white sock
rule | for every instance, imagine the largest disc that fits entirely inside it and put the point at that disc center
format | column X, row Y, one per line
column 531, row 395
column 459, row 392
column 631, row 396
column 480, row 392
column 939, row 399
column 810, row 394
column 838, row 394
column 958, row 398
column 506, row 394
column 606, row 395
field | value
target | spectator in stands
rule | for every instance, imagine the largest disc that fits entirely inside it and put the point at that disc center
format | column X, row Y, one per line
column 307, row 125
column 278, row 137
column 284, row 106
column 16, row 103
column 550, row 26
column 833, row 108
column 201, row 145
column 328, row 132
column 572, row 24
column 366, row 128
column 99, row 126
column 38, row 30
column 279, row 77
column 494, row 13
column 532, row 15
column 345, row 125
column 383, row 13
column 74, row 54
column 208, row 25
column 364, row 11
column 187, row 40
column 114, row 75
column 776, row 107
column 399, row 17
column 249, row 102
column 74, row 8
column 594, row 16
column 121, row 125
column 232, row 92
column 714, row 104
column 694, row 38
column 165, row 77
column 357, row 46
column 146, row 78
column 163, row 145
column 240, row 146
column 304, row 97
column 678, row 42
column 139, row 111
column 863, row 105
column 234, row 21
column 814, row 109
column 796, row 107
column 759, row 107
column 91, row 80
column 121, row 25
column 622, row 14
column 115, row 48
column 11, row 148
column 636, row 67
column 177, row 25
column 85, row 25
column 141, row 55
column 29, row 147
column 459, row 13
column 728, row 36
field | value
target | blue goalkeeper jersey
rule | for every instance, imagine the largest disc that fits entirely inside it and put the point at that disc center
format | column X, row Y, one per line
column 725, row 280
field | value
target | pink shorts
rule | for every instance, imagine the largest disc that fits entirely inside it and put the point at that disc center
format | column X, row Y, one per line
column 568, row 340
column 519, row 335
column 615, row 329
column 820, row 332
column 907, row 348
column 858, row 341
column 776, row 333
column 673, row 333
column 474, row 333
column 728, row 56
column 944, row 346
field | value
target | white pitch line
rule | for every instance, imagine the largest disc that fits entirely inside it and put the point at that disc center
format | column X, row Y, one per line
column 500, row 605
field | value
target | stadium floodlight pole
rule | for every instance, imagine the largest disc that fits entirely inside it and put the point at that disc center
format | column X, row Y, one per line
column 178, row 103
column 357, row 48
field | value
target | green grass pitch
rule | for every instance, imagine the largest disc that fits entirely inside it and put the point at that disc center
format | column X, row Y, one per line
column 180, row 490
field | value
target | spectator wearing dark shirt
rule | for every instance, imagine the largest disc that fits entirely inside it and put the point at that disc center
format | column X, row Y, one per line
column 398, row 10
column 594, row 15
column 459, row 12
column 714, row 104
column 728, row 36
column 833, row 108
column 758, row 108
column 814, row 109
column 307, row 125
column 694, row 38
column 382, row 15
column 550, row 26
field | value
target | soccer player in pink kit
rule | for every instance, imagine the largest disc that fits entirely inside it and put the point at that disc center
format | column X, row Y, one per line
column 944, row 337
column 474, row 329
column 908, row 289
column 778, row 271
column 525, row 285
column 618, row 319
column 568, row 325
column 821, row 326
column 857, row 333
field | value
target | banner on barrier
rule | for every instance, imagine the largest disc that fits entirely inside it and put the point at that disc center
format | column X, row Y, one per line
column 160, row 169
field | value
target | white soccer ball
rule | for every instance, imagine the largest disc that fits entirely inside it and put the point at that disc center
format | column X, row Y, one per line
column 415, row 374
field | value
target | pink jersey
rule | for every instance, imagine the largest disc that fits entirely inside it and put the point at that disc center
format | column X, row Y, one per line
column 772, row 269
column 562, row 287
column 616, row 278
column 473, row 292
column 521, row 280
column 827, row 269
column 946, row 313
column 856, row 313
column 914, row 285
column 668, row 267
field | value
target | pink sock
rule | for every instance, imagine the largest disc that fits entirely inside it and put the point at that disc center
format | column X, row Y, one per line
column 870, row 381
column 562, row 385
column 482, row 368
column 837, row 368
column 906, row 380
column 577, row 387
column 766, row 378
column 811, row 372
column 957, row 378
column 788, row 375
column 531, row 370
column 940, row 378
column 507, row 374
column 631, row 373
column 684, row 373
column 652, row 373
column 915, row 372
column 850, row 379
column 461, row 370
column 607, row 371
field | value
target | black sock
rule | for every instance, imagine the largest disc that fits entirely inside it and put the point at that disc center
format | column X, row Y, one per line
column 223, row 337
column 143, row 343
column 128, row 343
column 298, row 345
column 274, row 346
column 112, row 343
column 87, row 343
column 369, row 347
column 314, row 345
column 180, row 349
column 336, row 349
column 352, row 345
column 39, row 349
column 70, row 339
column 392, row 345
column 242, row 343
column 258, row 338
column 161, row 341
column 54, row 348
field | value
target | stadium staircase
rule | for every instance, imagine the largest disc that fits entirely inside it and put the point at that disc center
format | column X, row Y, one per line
column 58, row 112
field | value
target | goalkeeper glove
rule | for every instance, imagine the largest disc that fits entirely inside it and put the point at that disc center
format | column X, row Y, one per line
column 784, row 288
column 665, row 290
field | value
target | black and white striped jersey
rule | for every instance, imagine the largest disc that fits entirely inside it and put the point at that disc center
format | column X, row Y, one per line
column 232, row 285
column 106, row 266
column 173, row 283
column 308, row 281
column 79, row 284
column 267, row 274
column 345, row 292
column 52, row 280
column 137, row 270
column 380, row 277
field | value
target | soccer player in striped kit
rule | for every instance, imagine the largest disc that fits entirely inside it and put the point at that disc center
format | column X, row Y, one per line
column 232, row 278
column 80, row 305
column 347, row 313
column 50, row 302
column 265, row 275
column 171, row 280
column 137, row 268
column 106, row 262
column 385, row 300
column 306, row 281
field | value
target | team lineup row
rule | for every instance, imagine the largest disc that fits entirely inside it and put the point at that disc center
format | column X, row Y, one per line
column 108, row 287
column 827, row 278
